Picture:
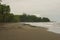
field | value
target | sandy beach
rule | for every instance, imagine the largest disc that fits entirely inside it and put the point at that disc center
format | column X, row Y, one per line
column 17, row 31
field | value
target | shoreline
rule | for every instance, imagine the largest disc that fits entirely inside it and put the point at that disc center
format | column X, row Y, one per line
column 17, row 31
column 5, row 25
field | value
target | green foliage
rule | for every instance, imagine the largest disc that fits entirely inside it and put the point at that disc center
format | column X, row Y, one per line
column 45, row 19
column 32, row 18
column 6, row 16
column 16, row 18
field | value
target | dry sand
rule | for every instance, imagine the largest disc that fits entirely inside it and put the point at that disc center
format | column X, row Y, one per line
column 17, row 31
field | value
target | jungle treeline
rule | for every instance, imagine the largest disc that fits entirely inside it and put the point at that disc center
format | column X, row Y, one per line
column 6, row 16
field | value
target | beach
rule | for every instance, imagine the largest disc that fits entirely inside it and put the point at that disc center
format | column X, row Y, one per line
column 17, row 31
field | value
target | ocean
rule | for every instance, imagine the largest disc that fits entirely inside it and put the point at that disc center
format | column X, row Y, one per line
column 52, row 26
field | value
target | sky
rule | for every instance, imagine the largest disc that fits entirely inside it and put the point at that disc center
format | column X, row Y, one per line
column 42, row 8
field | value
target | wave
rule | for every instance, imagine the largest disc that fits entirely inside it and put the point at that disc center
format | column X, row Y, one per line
column 52, row 26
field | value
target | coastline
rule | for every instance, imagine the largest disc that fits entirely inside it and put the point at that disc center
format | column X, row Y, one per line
column 18, row 31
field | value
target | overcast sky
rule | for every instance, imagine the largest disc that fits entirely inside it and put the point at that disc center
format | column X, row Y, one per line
column 43, row 8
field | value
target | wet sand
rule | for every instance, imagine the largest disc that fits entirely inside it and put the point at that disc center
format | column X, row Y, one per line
column 17, row 31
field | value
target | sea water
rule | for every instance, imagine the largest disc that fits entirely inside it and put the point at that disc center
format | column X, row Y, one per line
column 52, row 26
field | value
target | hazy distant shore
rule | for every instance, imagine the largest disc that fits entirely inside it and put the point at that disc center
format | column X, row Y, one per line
column 18, row 31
